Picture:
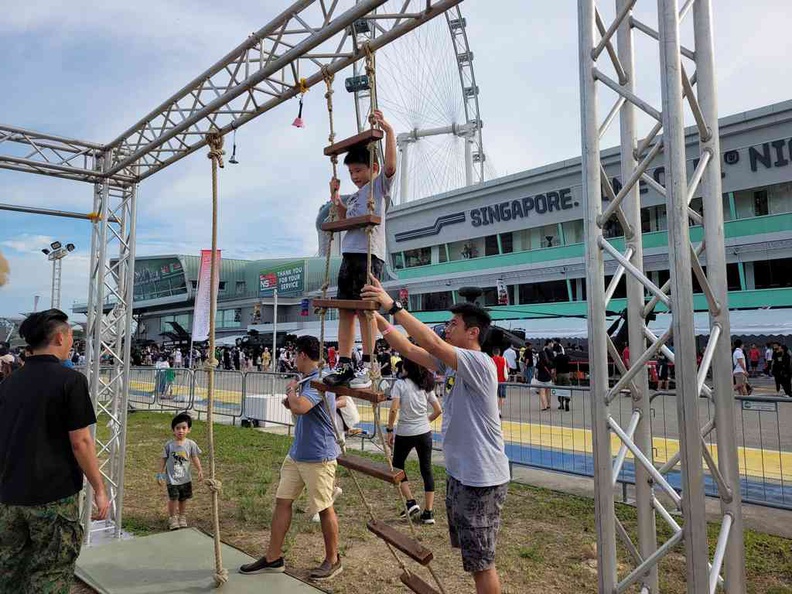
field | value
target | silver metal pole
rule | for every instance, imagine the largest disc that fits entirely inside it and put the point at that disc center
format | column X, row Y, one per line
column 595, row 282
column 647, row 529
column 468, row 161
column 404, row 178
column 53, row 299
column 275, row 330
column 723, row 397
column 49, row 212
column 95, row 313
column 126, row 280
column 695, row 525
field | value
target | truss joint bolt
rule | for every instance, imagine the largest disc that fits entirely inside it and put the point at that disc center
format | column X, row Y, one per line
column 707, row 135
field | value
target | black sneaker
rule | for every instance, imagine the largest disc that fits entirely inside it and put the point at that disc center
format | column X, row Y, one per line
column 263, row 566
column 341, row 377
column 411, row 508
column 427, row 517
column 327, row 570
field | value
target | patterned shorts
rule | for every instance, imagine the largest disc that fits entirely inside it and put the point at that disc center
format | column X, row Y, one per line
column 473, row 522
column 39, row 545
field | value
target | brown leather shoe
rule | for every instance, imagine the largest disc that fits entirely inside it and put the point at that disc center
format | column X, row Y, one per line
column 327, row 571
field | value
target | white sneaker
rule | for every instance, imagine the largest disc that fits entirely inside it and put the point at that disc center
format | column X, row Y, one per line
column 337, row 492
column 361, row 381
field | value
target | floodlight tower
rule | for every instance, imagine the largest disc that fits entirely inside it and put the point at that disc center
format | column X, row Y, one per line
column 56, row 255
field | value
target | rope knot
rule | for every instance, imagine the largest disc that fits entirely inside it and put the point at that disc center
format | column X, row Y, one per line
column 211, row 363
column 215, row 485
column 220, row 577
column 215, row 141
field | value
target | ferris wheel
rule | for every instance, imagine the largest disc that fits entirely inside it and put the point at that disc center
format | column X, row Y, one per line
column 427, row 87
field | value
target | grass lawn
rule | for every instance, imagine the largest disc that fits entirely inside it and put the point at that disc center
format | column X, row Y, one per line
column 546, row 545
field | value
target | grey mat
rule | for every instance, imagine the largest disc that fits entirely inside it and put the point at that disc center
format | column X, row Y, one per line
column 181, row 561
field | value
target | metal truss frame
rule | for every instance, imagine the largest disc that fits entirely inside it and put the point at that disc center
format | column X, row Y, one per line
column 108, row 336
column 306, row 42
column 609, row 47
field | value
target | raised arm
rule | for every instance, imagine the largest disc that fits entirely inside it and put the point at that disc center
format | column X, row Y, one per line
column 390, row 143
column 429, row 342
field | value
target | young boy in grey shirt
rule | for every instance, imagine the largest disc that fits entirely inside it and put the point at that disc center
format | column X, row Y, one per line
column 175, row 470
column 353, row 273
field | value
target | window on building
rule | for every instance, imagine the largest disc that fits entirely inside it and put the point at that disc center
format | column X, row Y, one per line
column 507, row 243
column 491, row 245
column 547, row 292
column 437, row 301
column 443, row 256
column 182, row 320
column 221, row 287
column 761, row 205
column 229, row 318
column 573, row 232
column 646, row 222
column 612, row 228
column 733, row 277
column 398, row 261
column 241, row 287
column 418, row 257
column 621, row 288
column 772, row 274
column 194, row 285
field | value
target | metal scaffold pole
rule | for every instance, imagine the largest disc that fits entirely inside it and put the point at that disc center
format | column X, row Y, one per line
column 595, row 278
column 607, row 63
column 636, row 321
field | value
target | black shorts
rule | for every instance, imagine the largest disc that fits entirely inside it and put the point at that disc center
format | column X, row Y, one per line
column 474, row 519
column 353, row 275
column 180, row 492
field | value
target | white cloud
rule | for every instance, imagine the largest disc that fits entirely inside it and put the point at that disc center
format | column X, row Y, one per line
column 27, row 243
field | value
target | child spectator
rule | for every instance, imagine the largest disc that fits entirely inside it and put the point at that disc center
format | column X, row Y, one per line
column 410, row 401
column 177, row 456
column 353, row 274
column 502, row 367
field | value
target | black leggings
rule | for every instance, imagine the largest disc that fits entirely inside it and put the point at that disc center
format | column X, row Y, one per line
column 423, row 445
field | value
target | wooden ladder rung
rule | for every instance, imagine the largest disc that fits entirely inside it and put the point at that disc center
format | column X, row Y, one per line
column 345, row 145
column 409, row 546
column 416, row 584
column 361, row 393
column 370, row 468
column 352, row 223
column 358, row 305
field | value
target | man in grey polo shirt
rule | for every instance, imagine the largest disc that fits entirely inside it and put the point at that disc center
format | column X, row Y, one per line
column 477, row 467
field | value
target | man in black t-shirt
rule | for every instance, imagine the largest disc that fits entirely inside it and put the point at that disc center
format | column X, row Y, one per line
column 45, row 448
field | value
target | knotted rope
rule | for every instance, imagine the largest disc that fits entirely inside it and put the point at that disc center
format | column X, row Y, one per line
column 215, row 141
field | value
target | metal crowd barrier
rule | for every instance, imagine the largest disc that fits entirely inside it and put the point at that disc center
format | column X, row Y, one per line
column 263, row 402
column 228, row 392
column 556, row 439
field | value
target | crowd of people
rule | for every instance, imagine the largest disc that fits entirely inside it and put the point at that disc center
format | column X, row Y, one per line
column 774, row 362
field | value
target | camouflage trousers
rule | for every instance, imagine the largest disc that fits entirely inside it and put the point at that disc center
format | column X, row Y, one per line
column 39, row 546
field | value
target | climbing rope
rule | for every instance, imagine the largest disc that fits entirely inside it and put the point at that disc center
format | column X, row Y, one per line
column 328, row 78
column 215, row 141
column 374, row 372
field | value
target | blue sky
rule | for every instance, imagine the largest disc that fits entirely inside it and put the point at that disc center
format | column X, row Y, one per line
column 90, row 70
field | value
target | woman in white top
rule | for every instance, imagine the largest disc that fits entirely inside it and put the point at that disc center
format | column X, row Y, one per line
column 415, row 403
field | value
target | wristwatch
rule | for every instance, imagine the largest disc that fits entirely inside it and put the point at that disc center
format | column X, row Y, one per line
column 395, row 308
column 389, row 429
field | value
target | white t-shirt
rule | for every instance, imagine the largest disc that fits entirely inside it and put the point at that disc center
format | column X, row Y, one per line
column 414, row 405
column 511, row 357
column 739, row 366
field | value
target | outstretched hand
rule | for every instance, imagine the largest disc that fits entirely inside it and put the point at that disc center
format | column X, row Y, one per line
column 378, row 118
column 373, row 291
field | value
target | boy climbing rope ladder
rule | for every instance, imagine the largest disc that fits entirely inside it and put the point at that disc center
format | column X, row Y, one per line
column 352, row 275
